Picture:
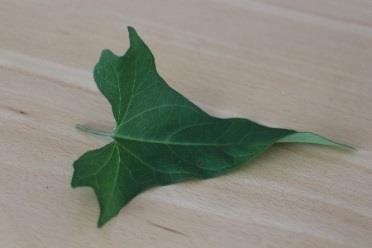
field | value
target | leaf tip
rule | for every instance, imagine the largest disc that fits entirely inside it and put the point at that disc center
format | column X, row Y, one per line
column 75, row 180
column 102, row 220
column 100, row 223
column 134, row 39
column 132, row 31
column 130, row 28
column 313, row 138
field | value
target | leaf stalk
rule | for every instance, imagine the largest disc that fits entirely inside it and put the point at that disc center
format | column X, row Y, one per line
column 86, row 129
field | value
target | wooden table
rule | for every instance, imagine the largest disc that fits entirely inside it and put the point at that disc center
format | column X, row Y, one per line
column 306, row 65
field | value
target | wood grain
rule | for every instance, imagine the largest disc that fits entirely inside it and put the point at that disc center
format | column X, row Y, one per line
column 299, row 64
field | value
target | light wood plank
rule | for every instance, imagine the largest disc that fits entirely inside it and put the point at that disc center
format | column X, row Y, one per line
column 299, row 64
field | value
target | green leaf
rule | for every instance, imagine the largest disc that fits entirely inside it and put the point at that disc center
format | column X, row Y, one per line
column 161, row 137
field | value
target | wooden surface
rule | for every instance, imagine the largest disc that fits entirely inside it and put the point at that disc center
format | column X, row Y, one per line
column 306, row 65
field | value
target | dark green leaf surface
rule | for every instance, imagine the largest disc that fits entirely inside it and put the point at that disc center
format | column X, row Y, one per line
column 161, row 137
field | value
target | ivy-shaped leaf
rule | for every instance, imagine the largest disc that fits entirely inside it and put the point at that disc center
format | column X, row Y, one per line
column 161, row 137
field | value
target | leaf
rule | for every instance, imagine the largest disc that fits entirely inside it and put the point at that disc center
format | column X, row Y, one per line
column 161, row 137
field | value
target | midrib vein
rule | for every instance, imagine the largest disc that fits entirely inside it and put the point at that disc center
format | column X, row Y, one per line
column 165, row 142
